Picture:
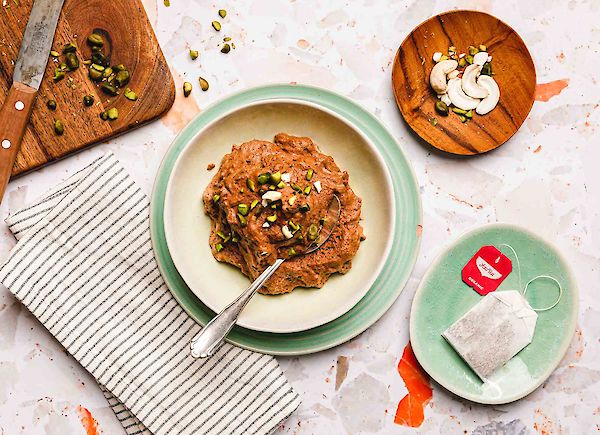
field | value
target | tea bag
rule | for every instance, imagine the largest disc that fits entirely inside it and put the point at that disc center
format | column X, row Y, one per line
column 493, row 331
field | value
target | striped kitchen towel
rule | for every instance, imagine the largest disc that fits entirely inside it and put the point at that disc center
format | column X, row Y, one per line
column 84, row 267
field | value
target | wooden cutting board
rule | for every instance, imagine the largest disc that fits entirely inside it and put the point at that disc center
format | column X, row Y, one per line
column 129, row 39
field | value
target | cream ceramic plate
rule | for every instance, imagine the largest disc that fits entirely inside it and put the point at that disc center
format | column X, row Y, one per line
column 187, row 227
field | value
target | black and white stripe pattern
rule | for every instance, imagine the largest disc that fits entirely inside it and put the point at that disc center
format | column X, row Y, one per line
column 84, row 267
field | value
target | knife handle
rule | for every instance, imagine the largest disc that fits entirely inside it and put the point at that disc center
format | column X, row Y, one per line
column 14, row 115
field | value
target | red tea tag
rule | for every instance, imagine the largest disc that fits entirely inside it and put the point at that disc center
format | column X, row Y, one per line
column 486, row 270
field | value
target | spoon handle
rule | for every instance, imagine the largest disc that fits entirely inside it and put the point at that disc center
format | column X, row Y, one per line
column 208, row 340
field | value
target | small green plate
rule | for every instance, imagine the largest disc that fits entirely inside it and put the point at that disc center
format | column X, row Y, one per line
column 399, row 264
column 442, row 298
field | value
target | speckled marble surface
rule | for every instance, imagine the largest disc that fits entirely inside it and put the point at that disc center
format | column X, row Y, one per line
column 545, row 178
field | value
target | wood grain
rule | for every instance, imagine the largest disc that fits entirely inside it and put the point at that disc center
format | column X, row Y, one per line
column 512, row 67
column 129, row 39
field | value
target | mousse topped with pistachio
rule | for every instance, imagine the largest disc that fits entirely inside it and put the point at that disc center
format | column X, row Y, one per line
column 269, row 200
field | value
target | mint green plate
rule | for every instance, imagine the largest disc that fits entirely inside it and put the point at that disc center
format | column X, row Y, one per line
column 405, row 238
column 442, row 298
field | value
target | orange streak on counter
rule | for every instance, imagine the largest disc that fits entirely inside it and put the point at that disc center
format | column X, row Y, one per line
column 410, row 410
column 545, row 91
column 87, row 421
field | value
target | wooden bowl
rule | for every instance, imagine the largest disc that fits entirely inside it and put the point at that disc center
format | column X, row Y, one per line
column 513, row 70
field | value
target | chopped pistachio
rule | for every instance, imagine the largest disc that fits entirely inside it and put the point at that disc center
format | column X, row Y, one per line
column 463, row 118
column 216, row 198
column 235, row 238
column 88, row 100
column 441, row 108
column 97, row 67
column 58, row 75
column 104, row 115
column 222, row 13
column 293, row 226
column 444, row 57
column 280, row 185
column 112, row 113
column 54, row 53
column 226, row 39
column 487, row 69
column 296, row 188
column 291, row 252
column 203, row 84
column 243, row 209
column 469, row 59
column 452, row 49
column 95, row 75
column 218, row 247
column 482, row 48
column 167, row 3
column 473, row 50
column 223, row 236
column 469, row 114
column 264, row 178
column 433, row 121
column 272, row 187
column 187, row 89
column 194, row 54
column 71, row 47
column 226, row 48
column 304, row 208
column 272, row 218
column 250, row 185
column 216, row 25
column 59, row 128
column 51, row 104
column 107, row 72
column 119, row 67
column 122, row 78
column 87, row 62
column 253, row 204
column 309, row 174
column 130, row 95
column 109, row 89
column 99, row 59
column 313, row 232
column 276, row 178
column 307, row 190
column 242, row 219
column 458, row 111
column 292, row 200
column 95, row 40
column 462, row 62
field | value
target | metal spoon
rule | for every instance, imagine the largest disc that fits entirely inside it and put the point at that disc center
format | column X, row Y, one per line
column 208, row 340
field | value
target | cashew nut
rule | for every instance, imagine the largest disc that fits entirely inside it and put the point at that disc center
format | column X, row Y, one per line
column 489, row 102
column 480, row 58
column 458, row 97
column 437, row 78
column 469, row 82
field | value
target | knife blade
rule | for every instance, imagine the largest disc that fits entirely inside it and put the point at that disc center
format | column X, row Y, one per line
column 37, row 41
column 27, row 77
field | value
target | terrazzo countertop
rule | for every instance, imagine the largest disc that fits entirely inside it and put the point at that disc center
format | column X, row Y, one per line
column 545, row 178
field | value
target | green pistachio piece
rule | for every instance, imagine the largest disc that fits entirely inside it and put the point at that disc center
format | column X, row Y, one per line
column 203, row 84
column 250, row 185
column 264, row 178
column 441, row 108
column 307, row 190
column 187, row 89
column 242, row 219
column 54, row 53
column 222, row 13
column 95, row 40
column 291, row 252
column 88, row 100
column 272, row 218
column 194, row 54
column 59, row 127
column 95, row 75
column 473, row 50
column 130, row 95
column 51, row 104
column 216, row 25
column 71, row 47
column 458, row 111
column 112, row 113
column 253, row 204
column 304, row 208
column 243, row 209
column 216, row 198
column 313, row 232
column 276, row 178
column 469, row 59
column 309, row 174
column 122, row 78
column 58, row 75
column 226, row 48
column 218, row 247
column 109, row 89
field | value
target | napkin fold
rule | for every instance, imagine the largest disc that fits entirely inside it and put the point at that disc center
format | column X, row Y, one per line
column 84, row 266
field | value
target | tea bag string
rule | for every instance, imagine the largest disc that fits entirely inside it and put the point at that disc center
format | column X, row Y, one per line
column 560, row 289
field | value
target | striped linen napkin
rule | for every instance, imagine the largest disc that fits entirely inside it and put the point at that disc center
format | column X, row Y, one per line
column 84, row 267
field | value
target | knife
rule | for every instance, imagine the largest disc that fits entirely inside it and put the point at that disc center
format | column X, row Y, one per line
column 27, row 77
